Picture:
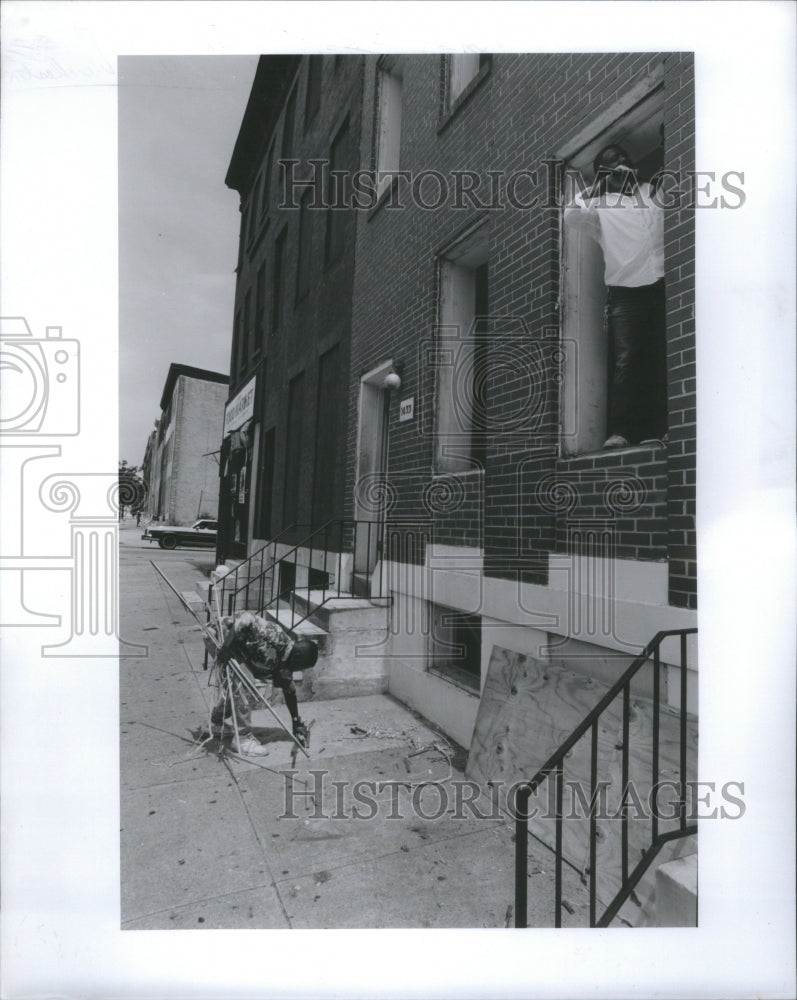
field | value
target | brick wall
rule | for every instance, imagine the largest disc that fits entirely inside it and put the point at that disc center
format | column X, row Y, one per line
column 519, row 114
column 199, row 420
column 313, row 325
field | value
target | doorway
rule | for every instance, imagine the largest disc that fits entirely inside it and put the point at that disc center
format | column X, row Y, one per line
column 373, row 494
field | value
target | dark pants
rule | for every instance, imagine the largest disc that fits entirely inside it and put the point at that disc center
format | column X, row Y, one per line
column 243, row 702
column 638, row 359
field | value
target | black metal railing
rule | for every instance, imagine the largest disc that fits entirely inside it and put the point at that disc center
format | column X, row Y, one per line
column 239, row 579
column 553, row 769
column 319, row 558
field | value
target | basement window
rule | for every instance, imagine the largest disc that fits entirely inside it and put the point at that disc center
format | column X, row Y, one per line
column 455, row 646
column 585, row 399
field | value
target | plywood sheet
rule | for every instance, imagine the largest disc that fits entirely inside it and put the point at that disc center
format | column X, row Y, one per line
column 528, row 709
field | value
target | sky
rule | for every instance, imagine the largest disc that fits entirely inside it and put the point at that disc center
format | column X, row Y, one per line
column 178, row 225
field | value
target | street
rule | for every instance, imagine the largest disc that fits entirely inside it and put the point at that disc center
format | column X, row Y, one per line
column 211, row 840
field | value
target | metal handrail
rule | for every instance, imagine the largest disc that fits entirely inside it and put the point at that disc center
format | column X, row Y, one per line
column 554, row 767
column 327, row 540
column 232, row 578
column 339, row 530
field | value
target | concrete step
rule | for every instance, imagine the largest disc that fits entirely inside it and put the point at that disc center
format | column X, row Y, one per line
column 284, row 617
column 201, row 588
column 676, row 893
column 194, row 600
column 359, row 612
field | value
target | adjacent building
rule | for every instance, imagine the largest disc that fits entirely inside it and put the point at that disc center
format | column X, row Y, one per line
column 284, row 449
column 181, row 462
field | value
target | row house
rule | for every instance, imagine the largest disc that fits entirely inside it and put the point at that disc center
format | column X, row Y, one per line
column 180, row 466
column 420, row 361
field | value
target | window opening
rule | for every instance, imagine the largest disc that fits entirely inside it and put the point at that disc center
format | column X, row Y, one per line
column 592, row 402
column 462, row 356
column 276, row 279
column 260, row 309
column 315, row 65
column 303, row 269
column 462, row 68
column 455, row 645
column 388, row 141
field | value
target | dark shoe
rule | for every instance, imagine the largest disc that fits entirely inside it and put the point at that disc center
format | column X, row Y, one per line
column 301, row 732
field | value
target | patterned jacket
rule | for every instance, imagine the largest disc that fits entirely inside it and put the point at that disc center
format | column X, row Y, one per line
column 261, row 644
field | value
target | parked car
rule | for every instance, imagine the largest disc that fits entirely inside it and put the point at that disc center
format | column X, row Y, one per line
column 201, row 534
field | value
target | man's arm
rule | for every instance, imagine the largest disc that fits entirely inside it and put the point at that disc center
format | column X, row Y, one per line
column 582, row 215
column 224, row 652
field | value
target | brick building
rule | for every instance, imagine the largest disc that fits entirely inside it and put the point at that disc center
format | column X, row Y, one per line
column 442, row 382
column 283, row 466
column 180, row 464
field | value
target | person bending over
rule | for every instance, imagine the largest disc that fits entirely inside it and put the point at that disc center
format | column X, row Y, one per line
column 270, row 653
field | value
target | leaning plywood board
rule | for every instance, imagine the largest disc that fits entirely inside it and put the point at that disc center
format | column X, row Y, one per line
column 528, row 709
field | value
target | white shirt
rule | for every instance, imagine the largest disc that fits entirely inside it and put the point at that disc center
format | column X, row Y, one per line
column 630, row 231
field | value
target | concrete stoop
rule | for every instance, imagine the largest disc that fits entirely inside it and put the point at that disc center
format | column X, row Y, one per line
column 352, row 657
column 351, row 633
column 676, row 893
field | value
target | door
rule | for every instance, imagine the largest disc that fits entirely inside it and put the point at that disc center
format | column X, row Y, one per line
column 373, row 494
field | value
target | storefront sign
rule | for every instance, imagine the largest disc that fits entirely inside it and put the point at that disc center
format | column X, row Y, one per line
column 241, row 408
column 407, row 409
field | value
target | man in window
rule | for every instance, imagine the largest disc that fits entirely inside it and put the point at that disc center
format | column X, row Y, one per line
column 622, row 215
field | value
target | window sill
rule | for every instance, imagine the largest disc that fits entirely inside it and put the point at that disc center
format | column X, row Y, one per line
column 656, row 451
column 460, row 678
column 463, row 474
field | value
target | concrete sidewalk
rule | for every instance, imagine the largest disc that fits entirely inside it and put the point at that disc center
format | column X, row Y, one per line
column 210, row 840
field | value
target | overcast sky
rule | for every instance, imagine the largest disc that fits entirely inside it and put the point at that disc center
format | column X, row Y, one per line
column 178, row 224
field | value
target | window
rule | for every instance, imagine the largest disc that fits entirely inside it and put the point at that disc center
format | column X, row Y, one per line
column 585, row 397
column 265, row 493
column 255, row 213
column 326, row 437
column 462, row 68
column 265, row 194
column 260, row 310
column 455, row 645
column 339, row 191
column 388, row 120
column 304, row 264
column 462, row 356
column 315, row 65
column 246, row 226
column 246, row 333
column 277, row 279
column 293, row 451
column 288, row 126
column 236, row 345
